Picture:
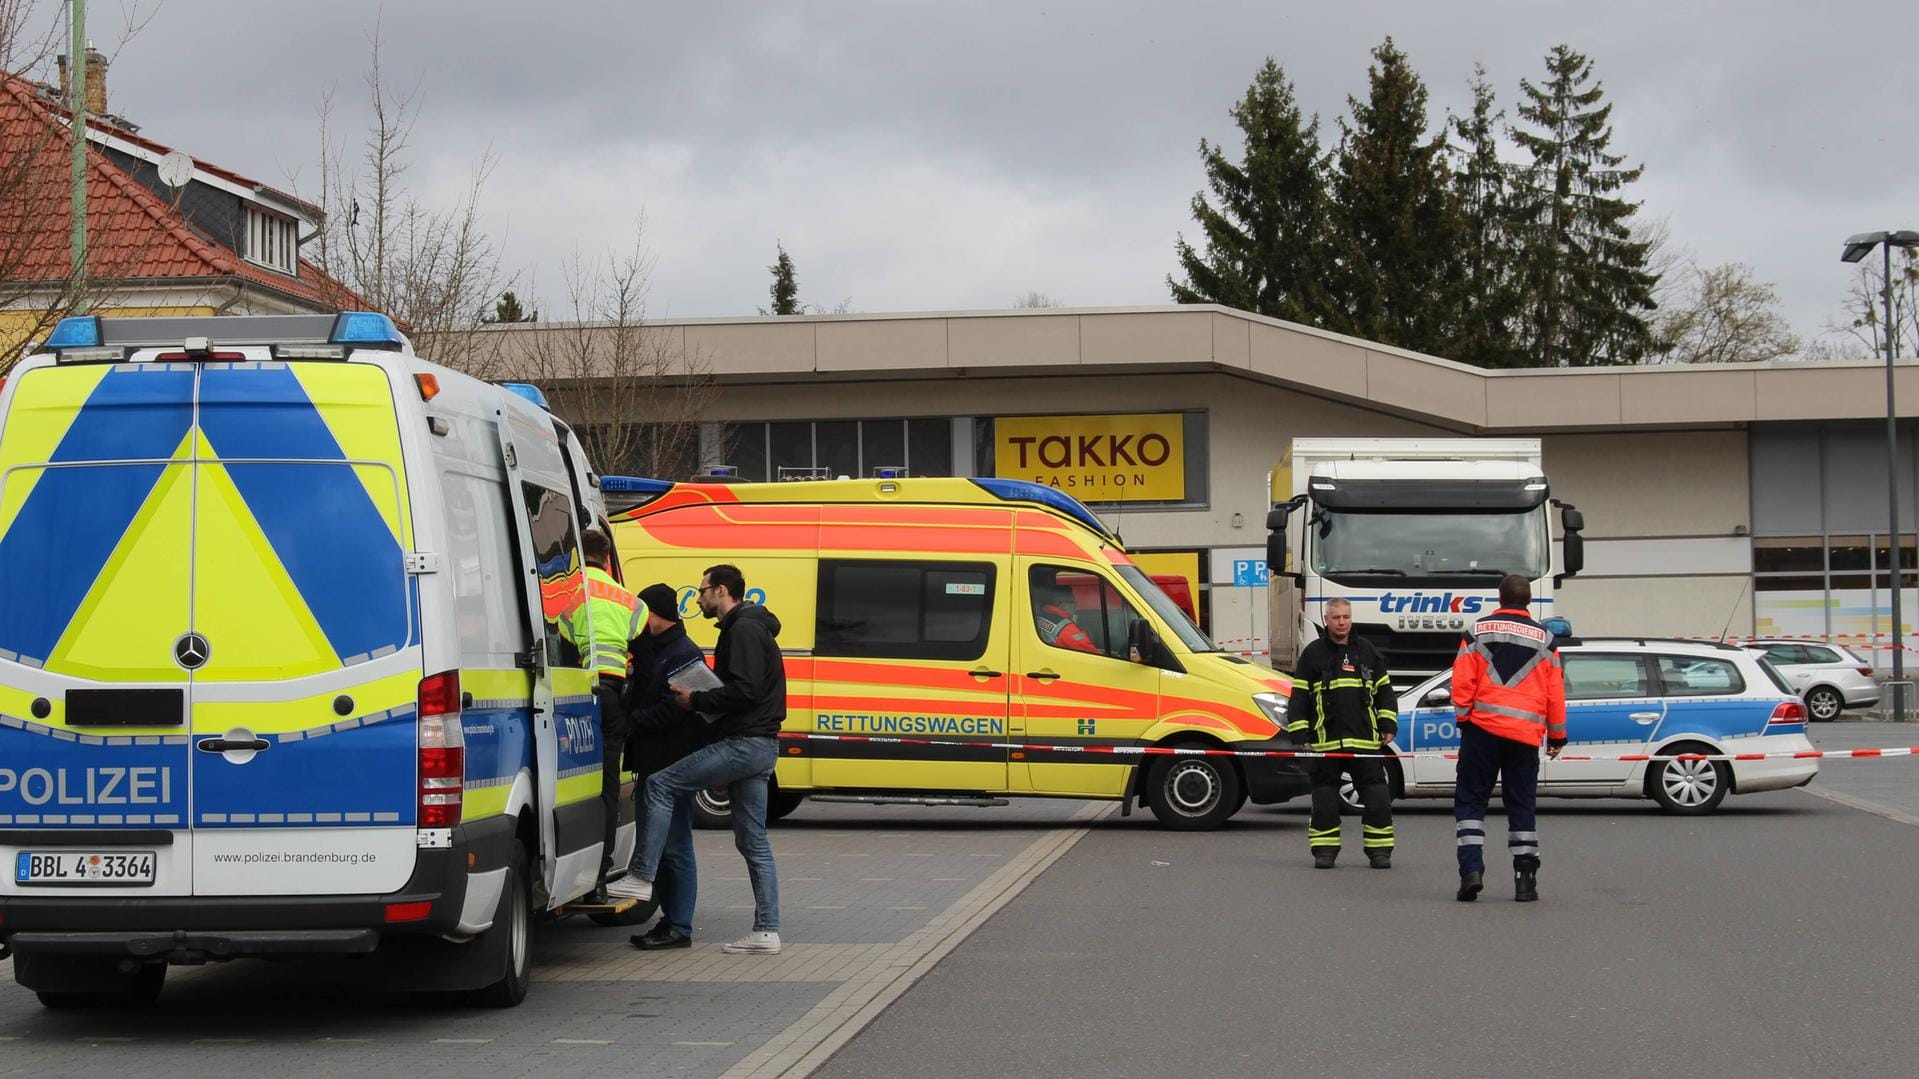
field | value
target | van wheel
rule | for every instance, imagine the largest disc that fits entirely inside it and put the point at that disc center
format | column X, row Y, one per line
column 513, row 921
column 1689, row 788
column 1193, row 794
column 713, row 808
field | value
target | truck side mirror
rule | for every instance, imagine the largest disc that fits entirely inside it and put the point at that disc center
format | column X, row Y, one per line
column 1571, row 521
column 1276, row 539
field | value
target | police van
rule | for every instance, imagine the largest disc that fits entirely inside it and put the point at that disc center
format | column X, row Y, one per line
column 286, row 658
column 929, row 657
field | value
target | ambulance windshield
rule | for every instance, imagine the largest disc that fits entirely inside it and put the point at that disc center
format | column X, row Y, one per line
column 1190, row 635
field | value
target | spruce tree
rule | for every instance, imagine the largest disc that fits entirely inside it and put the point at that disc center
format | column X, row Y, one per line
column 508, row 309
column 1588, row 288
column 1264, row 243
column 1490, row 304
column 785, row 289
column 1395, row 220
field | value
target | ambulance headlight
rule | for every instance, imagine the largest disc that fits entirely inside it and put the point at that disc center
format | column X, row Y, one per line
column 1274, row 705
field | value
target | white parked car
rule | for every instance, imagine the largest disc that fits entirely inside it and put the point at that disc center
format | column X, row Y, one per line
column 1829, row 677
column 1631, row 696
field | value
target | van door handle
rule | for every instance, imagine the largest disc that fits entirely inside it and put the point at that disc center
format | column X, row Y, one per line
column 982, row 672
column 1645, row 717
column 1043, row 676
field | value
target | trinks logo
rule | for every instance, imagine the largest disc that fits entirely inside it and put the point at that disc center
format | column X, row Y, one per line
column 1422, row 603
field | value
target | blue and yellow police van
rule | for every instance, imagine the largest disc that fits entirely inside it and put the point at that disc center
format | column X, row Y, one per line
column 287, row 660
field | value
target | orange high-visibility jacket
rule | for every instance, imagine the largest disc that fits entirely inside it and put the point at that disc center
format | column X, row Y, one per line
column 1507, row 680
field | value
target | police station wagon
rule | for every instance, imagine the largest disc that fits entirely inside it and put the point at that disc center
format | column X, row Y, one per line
column 1632, row 696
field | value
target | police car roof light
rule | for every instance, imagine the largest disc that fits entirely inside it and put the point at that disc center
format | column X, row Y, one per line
column 76, row 331
column 634, row 485
column 528, row 391
column 1028, row 491
column 366, row 328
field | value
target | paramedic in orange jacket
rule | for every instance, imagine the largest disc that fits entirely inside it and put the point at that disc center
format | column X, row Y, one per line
column 1510, row 697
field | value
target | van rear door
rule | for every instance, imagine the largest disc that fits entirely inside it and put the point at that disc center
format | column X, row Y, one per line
column 96, row 497
column 304, row 707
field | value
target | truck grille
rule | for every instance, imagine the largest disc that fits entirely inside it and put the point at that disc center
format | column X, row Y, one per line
column 1410, row 656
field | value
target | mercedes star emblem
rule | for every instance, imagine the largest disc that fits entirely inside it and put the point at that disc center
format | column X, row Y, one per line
column 191, row 651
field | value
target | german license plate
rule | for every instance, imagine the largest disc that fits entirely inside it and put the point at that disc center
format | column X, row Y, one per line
column 83, row 867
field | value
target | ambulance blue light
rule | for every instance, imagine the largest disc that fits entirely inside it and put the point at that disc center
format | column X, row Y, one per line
column 78, row 331
column 366, row 328
column 634, row 485
column 1027, row 491
column 528, row 391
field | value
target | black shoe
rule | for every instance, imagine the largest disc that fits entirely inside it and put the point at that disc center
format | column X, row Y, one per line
column 1379, row 859
column 596, row 897
column 1470, row 885
column 1323, row 857
column 659, row 938
column 1525, row 885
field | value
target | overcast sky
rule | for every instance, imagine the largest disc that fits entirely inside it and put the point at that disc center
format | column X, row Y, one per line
column 937, row 156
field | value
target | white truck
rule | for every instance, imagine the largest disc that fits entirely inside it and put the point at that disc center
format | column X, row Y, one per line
column 1416, row 533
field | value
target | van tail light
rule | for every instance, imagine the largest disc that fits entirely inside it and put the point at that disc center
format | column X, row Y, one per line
column 1787, row 712
column 442, row 752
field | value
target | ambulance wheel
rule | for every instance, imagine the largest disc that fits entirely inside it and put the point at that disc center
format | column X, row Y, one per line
column 638, row 914
column 1193, row 794
column 713, row 808
column 1688, row 788
column 512, row 933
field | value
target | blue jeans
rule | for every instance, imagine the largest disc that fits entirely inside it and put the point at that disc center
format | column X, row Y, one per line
column 678, row 884
column 745, row 765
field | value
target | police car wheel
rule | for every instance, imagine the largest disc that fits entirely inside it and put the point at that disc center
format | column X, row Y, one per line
column 1191, row 794
column 513, row 920
column 713, row 808
column 1349, row 802
column 1689, row 788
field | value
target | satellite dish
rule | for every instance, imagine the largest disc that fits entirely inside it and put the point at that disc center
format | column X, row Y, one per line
column 176, row 169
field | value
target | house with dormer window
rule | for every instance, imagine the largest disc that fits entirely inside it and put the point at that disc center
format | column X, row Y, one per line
column 168, row 233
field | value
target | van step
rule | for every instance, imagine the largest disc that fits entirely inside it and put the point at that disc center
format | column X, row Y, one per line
column 617, row 907
column 909, row 799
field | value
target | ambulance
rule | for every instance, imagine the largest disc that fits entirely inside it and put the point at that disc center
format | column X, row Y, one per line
column 286, row 659
column 933, row 610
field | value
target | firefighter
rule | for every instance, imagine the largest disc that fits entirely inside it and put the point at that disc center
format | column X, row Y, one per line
column 1343, row 701
column 1510, row 697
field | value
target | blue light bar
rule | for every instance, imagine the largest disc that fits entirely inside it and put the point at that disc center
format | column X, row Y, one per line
column 634, row 485
column 1027, row 491
column 528, row 391
column 888, row 472
column 366, row 328
column 77, row 331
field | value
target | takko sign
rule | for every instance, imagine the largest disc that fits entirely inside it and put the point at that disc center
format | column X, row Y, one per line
column 1131, row 458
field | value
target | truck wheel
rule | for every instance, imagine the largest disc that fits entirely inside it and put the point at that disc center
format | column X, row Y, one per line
column 713, row 808
column 512, row 933
column 1193, row 794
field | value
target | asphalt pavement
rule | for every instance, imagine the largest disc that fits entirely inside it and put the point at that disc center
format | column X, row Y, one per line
column 1776, row 937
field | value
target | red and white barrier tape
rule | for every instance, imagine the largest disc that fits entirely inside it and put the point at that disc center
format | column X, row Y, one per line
column 1199, row 751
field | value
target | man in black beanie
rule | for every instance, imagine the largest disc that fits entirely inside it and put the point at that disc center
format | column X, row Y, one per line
column 658, row 735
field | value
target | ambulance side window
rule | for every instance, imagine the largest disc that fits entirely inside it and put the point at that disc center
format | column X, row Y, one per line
column 562, row 579
column 489, row 599
column 1079, row 611
column 904, row 610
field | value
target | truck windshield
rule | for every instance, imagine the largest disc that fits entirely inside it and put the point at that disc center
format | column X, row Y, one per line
column 1462, row 547
column 1169, row 612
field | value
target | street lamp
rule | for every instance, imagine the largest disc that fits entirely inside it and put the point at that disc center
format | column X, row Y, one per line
column 1858, row 247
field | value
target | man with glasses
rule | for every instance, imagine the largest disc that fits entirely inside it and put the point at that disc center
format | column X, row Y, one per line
column 744, row 715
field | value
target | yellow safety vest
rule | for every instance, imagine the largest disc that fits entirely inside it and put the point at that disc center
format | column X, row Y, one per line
column 609, row 608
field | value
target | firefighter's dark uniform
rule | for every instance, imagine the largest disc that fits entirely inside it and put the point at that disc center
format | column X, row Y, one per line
column 1343, row 701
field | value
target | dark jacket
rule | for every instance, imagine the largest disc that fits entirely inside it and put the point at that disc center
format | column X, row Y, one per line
column 658, row 731
column 1342, row 698
column 751, row 702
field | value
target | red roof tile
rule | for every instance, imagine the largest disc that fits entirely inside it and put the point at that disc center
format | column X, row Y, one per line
column 132, row 234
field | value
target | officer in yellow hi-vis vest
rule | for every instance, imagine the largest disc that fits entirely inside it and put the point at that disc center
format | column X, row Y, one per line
column 608, row 625
column 1343, row 702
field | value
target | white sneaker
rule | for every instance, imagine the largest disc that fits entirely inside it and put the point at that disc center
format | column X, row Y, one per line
column 630, row 887
column 758, row 942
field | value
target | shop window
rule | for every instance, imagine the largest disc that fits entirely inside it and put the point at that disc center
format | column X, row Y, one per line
column 1788, row 555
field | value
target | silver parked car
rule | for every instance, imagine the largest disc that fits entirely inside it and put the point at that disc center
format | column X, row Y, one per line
column 1829, row 677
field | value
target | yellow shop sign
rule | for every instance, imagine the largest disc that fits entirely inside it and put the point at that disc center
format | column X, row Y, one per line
column 1133, row 458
